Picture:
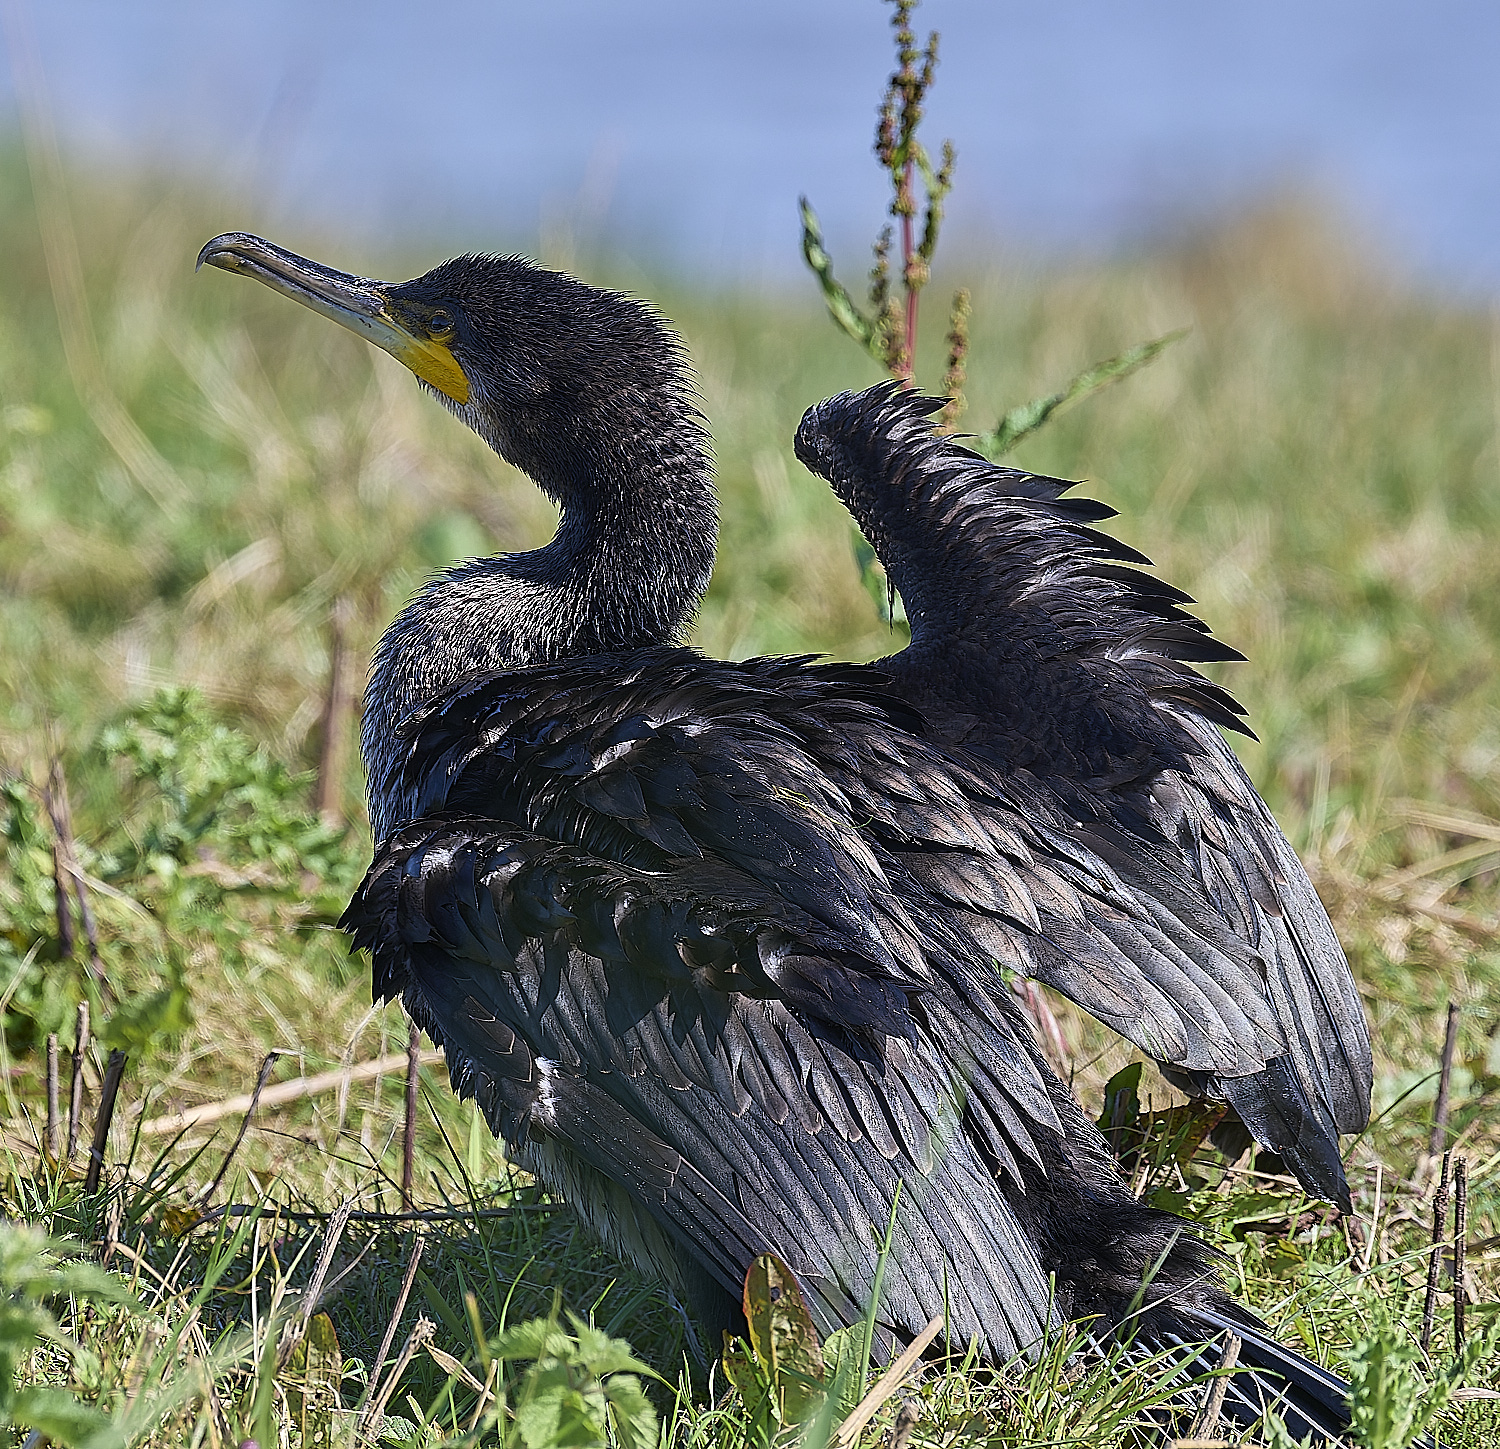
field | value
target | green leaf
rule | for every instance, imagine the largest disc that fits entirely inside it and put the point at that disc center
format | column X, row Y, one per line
column 843, row 1368
column 312, row 1378
column 259, row 1403
column 455, row 1325
column 631, row 1413
column 63, row 1419
column 1388, row 1407
column 397, row 1432
column 741, row 1369
column 752, row 1381
column 32, row 1266
column 1120, row 1121
column 600, row 1354
column 579, row 1388
column 1274, row 1434
column 840, row 304
column 1020, row 422
column 535, row 1338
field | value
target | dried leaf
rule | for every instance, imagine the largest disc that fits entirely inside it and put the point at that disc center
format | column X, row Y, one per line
column 783, row 1337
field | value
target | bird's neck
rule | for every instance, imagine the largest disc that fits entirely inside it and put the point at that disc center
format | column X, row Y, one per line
column 626, row 569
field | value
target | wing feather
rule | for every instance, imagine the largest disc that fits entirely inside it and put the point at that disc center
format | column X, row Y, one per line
column 581, row 1078
column 1065, row 677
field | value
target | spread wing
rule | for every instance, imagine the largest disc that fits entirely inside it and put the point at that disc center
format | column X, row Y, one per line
column 701, row 936
column 812, row 781
column 663, row 947
column 1042, row 656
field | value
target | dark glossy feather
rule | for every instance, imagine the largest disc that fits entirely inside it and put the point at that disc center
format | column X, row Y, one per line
column 814, row 975
column 730, row 1114
column 1034, row 649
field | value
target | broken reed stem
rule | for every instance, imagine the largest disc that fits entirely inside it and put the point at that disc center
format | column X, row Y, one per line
column 260, row 1086
column 90, row 931
column 54, row 1122
column 1460, row 1233
column 370, row 1410
column 280, row 1094
column 1208, row 1420
column 409, row 1138
column 334, row 748
column 421, row 1331
column 423, row 1215
column 56, row 809
column 1435, row 1261
column 60, row 895
column 849, row 1431
column 378, row 1362
column 1440, row 1111
column 906, row 1422
column 1374, row 1218
column 75, row 1099
column 108, row 1094
column 314, row 1290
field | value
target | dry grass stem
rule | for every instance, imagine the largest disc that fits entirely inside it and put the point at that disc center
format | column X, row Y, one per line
column 421, row 1332
column 1435, row 1255
column 885, row 1386
column 54, row 1121
column 1445, row 1078
column 1208, row 1419
column 260, row 1085
column 366, row 1411
column 317, row 1283
column 906, row 1423
column 409, row 1127
column 75, row 1093
column 282, row 1093
column 66, row 868
column 1460, row 1237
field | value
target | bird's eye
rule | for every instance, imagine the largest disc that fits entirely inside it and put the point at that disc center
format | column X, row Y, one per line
column 440, row 326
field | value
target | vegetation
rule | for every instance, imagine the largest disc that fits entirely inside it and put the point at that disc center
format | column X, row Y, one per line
column 1317, row 463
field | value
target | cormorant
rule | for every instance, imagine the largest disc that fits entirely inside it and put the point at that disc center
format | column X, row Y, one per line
column 722, row 949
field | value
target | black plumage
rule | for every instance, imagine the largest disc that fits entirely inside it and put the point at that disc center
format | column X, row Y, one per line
column 722, row 949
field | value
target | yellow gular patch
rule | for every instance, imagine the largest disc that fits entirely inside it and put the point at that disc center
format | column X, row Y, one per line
column 433, row 362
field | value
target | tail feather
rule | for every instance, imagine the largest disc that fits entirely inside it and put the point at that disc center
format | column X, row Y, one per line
column 1272, row 1378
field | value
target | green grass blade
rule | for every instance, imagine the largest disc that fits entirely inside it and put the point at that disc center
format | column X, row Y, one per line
column 1020, row 422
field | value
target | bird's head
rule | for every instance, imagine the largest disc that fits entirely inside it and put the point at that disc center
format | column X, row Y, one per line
column 546, row 369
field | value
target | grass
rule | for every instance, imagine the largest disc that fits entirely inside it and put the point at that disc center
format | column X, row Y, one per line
column 1319, row 464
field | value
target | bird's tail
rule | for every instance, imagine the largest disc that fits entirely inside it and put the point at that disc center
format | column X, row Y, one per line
column 1268, row 1378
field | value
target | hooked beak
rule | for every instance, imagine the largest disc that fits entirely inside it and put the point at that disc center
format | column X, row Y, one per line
column 354, row 302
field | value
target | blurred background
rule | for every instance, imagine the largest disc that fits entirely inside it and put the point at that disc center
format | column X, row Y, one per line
column 683, row 132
